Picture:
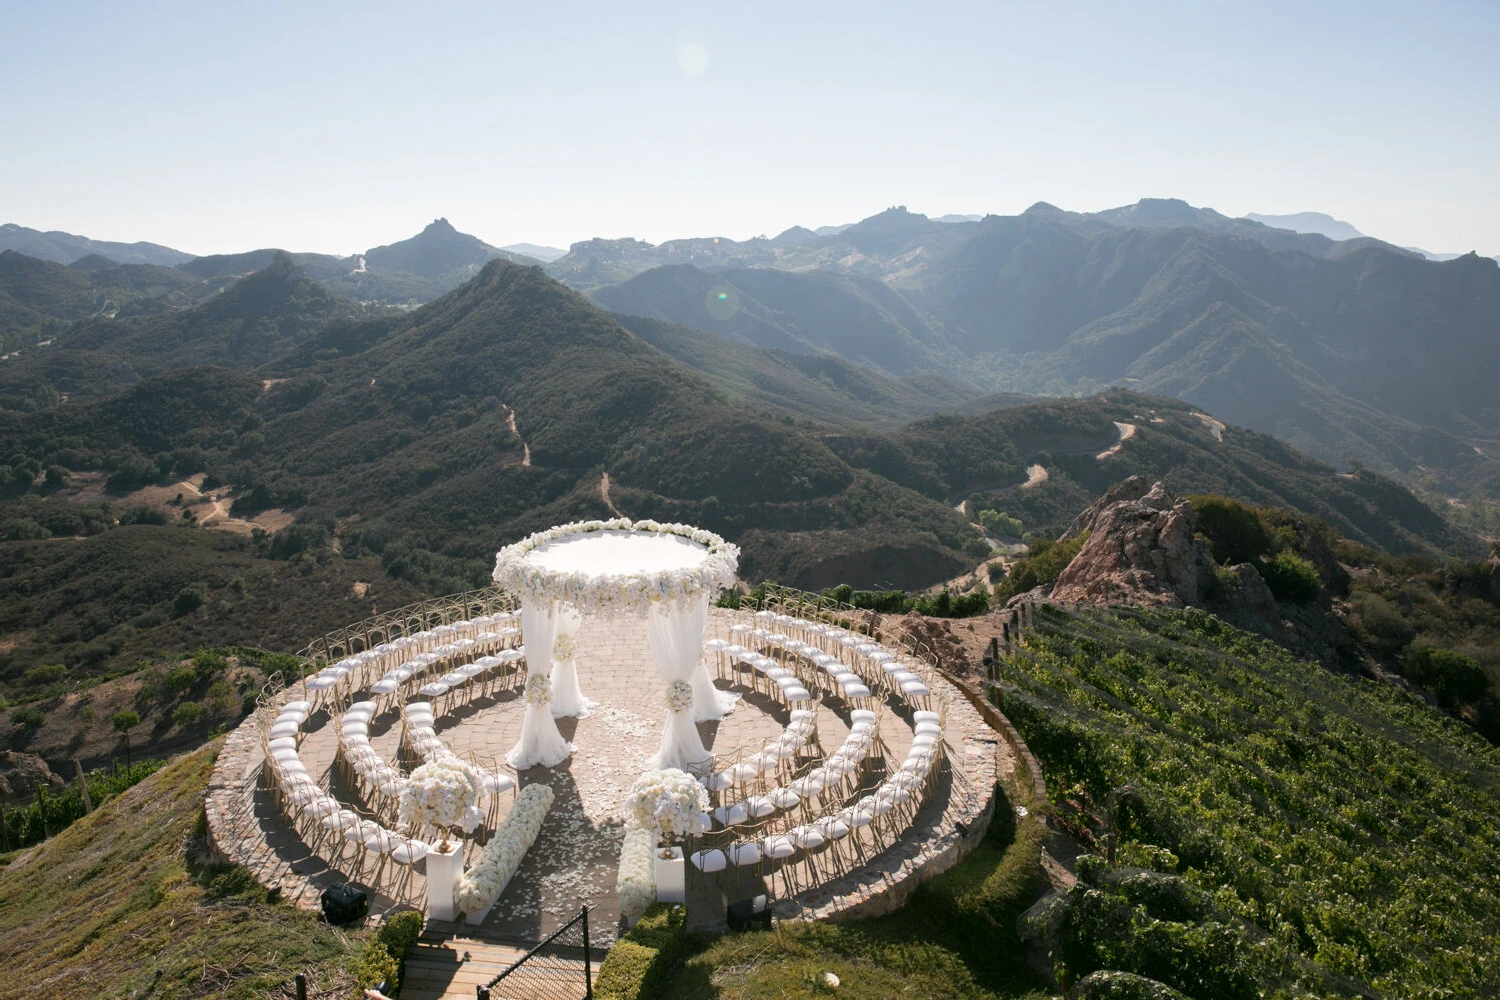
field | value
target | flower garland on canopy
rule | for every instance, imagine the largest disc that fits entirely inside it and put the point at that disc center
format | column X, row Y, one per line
column 481, row 885
column 538, row 690
column 617, row 592
column 680, row 696
column 668, row 803
column 442, row 794
column 563, row 648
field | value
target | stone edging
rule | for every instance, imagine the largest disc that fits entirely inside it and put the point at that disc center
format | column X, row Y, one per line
column 234, row 835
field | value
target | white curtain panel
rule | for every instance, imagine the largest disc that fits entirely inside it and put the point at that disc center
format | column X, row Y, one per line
column 709, row 703
column 540, row 743
column 567, row 695
column 675, row 634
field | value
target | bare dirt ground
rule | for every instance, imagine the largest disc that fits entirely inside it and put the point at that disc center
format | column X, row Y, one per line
column 510, row 421
column 1127, row 431
column 1035, row 476
column 1215, row 427
column 604, row 495
column 210, row 507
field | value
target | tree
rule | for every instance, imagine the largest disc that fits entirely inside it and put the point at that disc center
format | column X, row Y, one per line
column 124, row 721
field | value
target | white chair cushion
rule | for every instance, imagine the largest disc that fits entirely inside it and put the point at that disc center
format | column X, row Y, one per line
column 744, row 854
column 709, row 861
column 778, row 847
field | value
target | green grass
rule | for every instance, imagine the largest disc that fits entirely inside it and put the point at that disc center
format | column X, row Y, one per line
column 1347, row 831
column 955, row 938
column 114, row 907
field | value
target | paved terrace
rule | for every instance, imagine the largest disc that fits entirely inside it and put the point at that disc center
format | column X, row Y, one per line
column 574, row 860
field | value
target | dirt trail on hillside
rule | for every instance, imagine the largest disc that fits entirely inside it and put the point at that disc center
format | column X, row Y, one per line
column 1215, row 427
column 1127, row 431
column 510, row 421
column 604, row 495
column 1035, row 475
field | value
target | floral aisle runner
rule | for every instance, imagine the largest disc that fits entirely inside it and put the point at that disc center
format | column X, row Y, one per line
column 482, row 884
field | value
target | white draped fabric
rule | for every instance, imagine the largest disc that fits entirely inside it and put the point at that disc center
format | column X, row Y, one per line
column 567, row 696
column 540, row 743
column 674, row 631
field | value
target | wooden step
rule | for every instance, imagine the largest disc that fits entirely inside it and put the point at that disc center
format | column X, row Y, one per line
column 437, row 970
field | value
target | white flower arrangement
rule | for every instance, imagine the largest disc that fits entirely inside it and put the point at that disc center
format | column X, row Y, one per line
column 617, row 592
column 538, row 690
column 668, row 803
column 680, row 696
column 444, row 794
column 563, row 648
column 635, row 886
column 482, row 884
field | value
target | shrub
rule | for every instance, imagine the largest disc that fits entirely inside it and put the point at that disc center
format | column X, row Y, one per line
column 1292, row 578
column 639, row 964
column 399, row 935
column 181, row 679
column 1043, row 564
column 125, row 720
column 1234, row 531
column 1000, row 523
column 20, row 529
column 188, row 714
column 47, row 673
column 190, row 598
column 207, row 663
column 374, row 966
column 1453, row 678
column 28, row 717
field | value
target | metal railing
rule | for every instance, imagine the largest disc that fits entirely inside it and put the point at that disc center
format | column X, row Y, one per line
column 560, row 968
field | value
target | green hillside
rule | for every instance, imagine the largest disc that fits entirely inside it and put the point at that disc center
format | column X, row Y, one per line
column 121, row 904
column 823, row 387
column 989, row 454
column 1313, row 833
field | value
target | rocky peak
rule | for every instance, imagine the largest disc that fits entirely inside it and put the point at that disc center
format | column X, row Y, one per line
column 1142, row 549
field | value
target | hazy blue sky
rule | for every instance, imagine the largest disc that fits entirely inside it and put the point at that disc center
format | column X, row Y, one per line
column 331, row 126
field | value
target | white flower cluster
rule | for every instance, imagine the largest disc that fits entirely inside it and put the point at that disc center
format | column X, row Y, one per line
column 617, row 592
column 538, row 690
column 563, row 648
column 670, row 803
column 481, row 885
column 680, row 696
column 635, row 887
column 443, row 794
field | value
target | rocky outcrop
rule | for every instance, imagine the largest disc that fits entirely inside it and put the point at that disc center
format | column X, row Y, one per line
column 1133, row 488
column 21, row 774
column 1141, row 550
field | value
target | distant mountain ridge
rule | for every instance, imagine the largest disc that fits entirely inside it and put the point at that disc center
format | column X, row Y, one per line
column 65, row 248
column 1309, row 222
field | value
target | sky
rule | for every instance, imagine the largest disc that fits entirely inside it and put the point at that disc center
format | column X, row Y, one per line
column 334, row 127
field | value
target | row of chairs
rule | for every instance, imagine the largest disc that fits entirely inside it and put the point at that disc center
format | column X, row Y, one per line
column 419, row 736
column 395, row 661
column 834, row 844
column 324, row 824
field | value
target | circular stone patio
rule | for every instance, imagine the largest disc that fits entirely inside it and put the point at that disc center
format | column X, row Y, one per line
column 575, row 858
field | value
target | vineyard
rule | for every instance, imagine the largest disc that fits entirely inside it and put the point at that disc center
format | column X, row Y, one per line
column 1258, row 825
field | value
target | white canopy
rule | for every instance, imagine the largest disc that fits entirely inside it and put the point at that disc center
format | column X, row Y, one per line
column 666, row 572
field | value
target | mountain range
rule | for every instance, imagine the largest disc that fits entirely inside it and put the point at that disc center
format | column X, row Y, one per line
column 1345, row 348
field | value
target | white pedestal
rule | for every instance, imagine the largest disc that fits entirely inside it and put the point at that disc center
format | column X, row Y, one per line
column 671, row 877
column 443, row 872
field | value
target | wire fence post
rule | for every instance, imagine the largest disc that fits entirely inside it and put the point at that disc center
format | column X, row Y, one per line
column 588, row 958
